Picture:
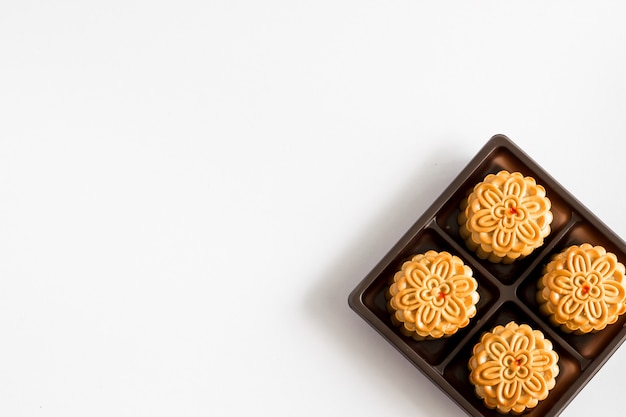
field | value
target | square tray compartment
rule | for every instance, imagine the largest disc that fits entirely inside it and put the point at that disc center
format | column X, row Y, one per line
column 507, row 292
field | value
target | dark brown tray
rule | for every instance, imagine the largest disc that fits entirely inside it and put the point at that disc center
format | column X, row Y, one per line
column 507, row 292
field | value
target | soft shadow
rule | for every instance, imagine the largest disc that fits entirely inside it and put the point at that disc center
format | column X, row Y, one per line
column 371, row 355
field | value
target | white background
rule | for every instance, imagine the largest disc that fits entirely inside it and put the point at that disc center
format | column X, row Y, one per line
column 189, row 190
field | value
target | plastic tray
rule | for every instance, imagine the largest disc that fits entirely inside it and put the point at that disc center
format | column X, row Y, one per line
column 507, row 292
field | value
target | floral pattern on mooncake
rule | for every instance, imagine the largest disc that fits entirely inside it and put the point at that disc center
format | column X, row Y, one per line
column 506, row 217
column 582, row 289
column 513, row 367
column 433, row 296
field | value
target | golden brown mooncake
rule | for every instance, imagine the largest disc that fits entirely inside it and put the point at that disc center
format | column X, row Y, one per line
column 582, row 289
column 433, row 296
column 513, row 367
column 505, row 217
